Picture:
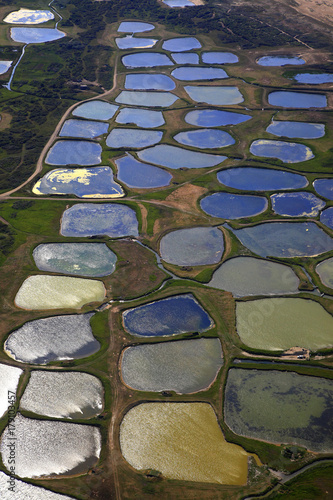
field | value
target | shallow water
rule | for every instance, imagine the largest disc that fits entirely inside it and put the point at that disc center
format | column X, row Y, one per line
column 9, row 376
column 314, row 78
column 205, row 138
column 288, row 99
column 260, row 179
column 27, row 491
column 174, row 157
column 295, row 130
column 86, row 129
column 182, row 44
column 280, row 61
column 97, row 110
column 28, row 16
column 69, row 152
column 185, row 57
column 219, row 58
column 149, row 81
column 214, row 118
column 130, row 42
column 35, row 35
column 134, row 27
column 288, row 152
column 214, row 95
column 141, row 117
column 147, row 99
column 188, row 73
column 324, row 187
column 132, row 138
column 326, row 217
column 4, row 66
column 136, row 174
column 233, row 206
column 297, row 204
column 325, row 271
column 146, row 60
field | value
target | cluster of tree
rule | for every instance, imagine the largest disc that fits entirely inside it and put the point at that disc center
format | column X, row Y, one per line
column 7, row 239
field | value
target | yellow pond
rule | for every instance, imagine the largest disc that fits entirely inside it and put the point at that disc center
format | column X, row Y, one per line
column 183, row 441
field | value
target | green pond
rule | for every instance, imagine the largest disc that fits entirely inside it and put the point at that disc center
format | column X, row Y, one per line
column 325, row 271
column 280, row 407
column 281, row 323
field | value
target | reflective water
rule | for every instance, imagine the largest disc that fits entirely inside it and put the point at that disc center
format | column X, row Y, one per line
column 141, row 117
column 74, row 153
column 28, row 16
column 288, row 99
column 136, row 174
column 185, row 57
column 183, row 441
column 219, row 58
column 187, row 73
column 314, row 78
column 214, row 118
column 183, row 366
column 132, row 138
column 52, row 339
column 27, row 491
column 281, row 323
column 260, row 179
column 130, row 42
column 149, row 81
column 174, row 157
column 171, row 316
column 146, row 60
column 50, row 447
column 4, row 66
column 35, row 35
column 325, row 271
column 81, row 259
column 94, row 182
column 134, row 27
column 195, row 246
column 58, row 292
column 89, row 219
column 214, row 95
column 324, row 187
column 244, row 276
column 297, row 204
column 83, row 128
column 178, row 3
column 97, row 110
column 288, row 152
column 63, row 394
column 181, row 44
column 299, row 130
column 280, row 60
column 9, row 376
column 326, row 217
column 205, row 138
column 233, row 206
column 147, row 99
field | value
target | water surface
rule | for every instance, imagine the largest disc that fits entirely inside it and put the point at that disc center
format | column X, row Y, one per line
column 35, row 35
column 69, row 152
column 325, row 271
column 182, row 44
column 174, row 157
column 130, row 42
column 28, row 16
column 295, row 130
column 280, row 60
column 233, row 206
column 134, row 27
column 326, row 217
column 136, row 174
column 95, row 110
column 132, row 138
column 219, row 58
column 324, row 187
column 288, row 152
column 260, row 179
column 215, row 118
column 9, row 376
column 141, row 117
column 147, row 99
column 4, row 66
column 287, row 99
column 146, row 60
column 178, row 3
column 187, row 73
column 86, row 129
column 149, row 81
column 314, row 78
column 205, row 139
column 302, row 204
column 185, row 57
column 27, row 491
column 214, row 95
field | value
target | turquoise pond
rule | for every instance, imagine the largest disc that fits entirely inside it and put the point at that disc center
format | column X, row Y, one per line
column 324, row 187
column 174, row 157
column 82, row 153
column 149, row 81
column 130, row 42
column 146, row 60
column 284, row 239
column 297, row 204
column 233, row 206
column 141, row 117
column 35, row 35
column 171, row 316
column 136, row 174
column 91, row 219
column 288, row 152
column 96, row 110
column 205, row 138
column 214, row 95
column 314, row 78
column 185, row 57
column 181, row 44
column 132, row 138
column 134, row 27
column 293, row 130
column 260, row 179
column 86, row 129
column 325, row 271
column 280, row 61
column 214, row 118
column 194, row 246
column 287, row 99
column 146, row 99
column 326, row 217
column 219, row 58
column 188, row 73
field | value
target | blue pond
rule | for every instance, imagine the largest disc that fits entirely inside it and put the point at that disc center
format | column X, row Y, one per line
column 146, row 98
column 74, row 153
column 214, row 95
column 285, row 239
column 171, row 316
column 136, row 174
column 297, row 204
column 233, row 206
column 187, row 73
column 314, row 78
column 214, row 118
column 91, row 219
column 279, row 61
column 146, row 60
column 288, row 152
column 35, row 35
column 205, row 138
column 286, row 99
column 178, row 3
column 149, row 81
column 132, row 138
column 86, row 129
column 260, row 179
column 219, row 58
column 174, row 157
column 326, row 217
column 96, row 110
column 134, row 27
column 181, row 44
column 185, row 58
column 130, row 42
column 140, row 117
column 324, row 187
column 294, row 130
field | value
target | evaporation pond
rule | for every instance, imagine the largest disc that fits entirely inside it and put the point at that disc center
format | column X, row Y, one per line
column 260, row 179
column 136, row 174
column 326, row 217
column 9, row 376
column 184, row 366
column 185, row 57
column 149, row 81
column 82, row 259
column 325, row 271
column 28, row 16
column 293, row 130
column 214, row 95
column 288, row 99
column 280, row 60
column 171, row 316
column 146, row 60
column 233, row 206
column 140, row 117
column 183, row 441
column 90, row 219
column 243, row 276
column 86, row 129
column 181, row 44
column 173, row 157
column 281, row 323
column 218, row 58
column 314, row 78
column 134, row 27
column 4, row 66
column 131, row 42
column 205, row 138
column 280, row 407
column 58, row 292
column 214, row 118
column 27, row 491
column 132, row 138
column 63, row 394
column 324, row 187
column 50, row 447
column 35, row 35
column 194, row 246
column 74, row 153
column 288, row 152
column 93, row 182
column 187, row 73
column 297, row 204
column 52, row 339
column 285, row 239
column 147, row 99
column 95, row 110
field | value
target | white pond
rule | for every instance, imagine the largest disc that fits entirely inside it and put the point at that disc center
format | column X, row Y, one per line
column 28, row 16
column 27, row 491
column 9, row 376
